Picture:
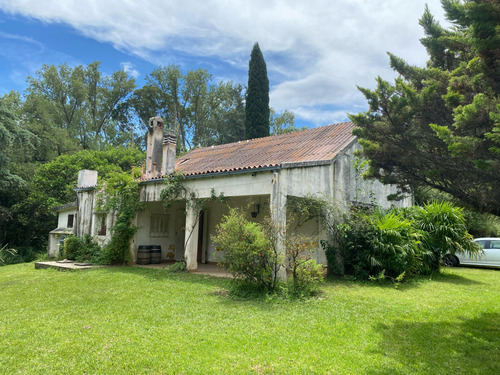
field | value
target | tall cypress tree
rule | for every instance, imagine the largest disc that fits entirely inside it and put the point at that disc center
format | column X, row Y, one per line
column 257, row 101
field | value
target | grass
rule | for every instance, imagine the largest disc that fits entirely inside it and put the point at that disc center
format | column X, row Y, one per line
column 139, row 321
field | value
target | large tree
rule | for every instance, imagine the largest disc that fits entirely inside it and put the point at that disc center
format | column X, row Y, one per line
column 439, row 126
column 15, row 141
column 189, row 103
column 52, row 185
column 227, row 122
column 283, row 122
column 77, row 107
column 257, row 98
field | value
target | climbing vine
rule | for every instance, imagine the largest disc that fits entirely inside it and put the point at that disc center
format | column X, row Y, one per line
column 361, row 166
column 332, row 218
column 175, row 189
column 120, row 194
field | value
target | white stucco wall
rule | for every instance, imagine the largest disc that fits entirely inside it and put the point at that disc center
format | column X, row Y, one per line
column 349, row 185
column 62, row 230
column 62, row 219
column 172, row 242
column 85, row 216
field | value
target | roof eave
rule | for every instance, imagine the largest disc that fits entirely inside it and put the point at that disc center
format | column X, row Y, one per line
column 217, row 174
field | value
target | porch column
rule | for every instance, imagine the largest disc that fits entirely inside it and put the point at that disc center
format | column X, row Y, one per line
column 278, row 215
column 191, row 237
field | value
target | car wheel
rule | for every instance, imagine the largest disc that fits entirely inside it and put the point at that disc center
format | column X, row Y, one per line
column 450, row 261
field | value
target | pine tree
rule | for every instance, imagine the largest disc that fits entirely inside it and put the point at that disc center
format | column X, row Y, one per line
column 439, row 126
column 257, row 100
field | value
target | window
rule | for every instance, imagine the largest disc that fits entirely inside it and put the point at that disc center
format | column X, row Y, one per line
column 71, row 219
column 101, row 224
column 158, row 225
column 481, row 243
column 495, row 244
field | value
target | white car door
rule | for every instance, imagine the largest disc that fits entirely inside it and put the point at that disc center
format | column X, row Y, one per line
column 474, row 259
column 493, row 253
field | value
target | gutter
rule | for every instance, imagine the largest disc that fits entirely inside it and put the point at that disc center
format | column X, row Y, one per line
column 217, row 174
column 303, row 164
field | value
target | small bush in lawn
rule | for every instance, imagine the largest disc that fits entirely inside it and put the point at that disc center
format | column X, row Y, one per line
column 249, row 254
column 306, row 273
column 71, row 248
column 178, row 266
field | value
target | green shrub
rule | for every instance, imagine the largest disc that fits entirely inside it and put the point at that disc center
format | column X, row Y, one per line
column 402, row 243
column 482, row 224
column 117, row 250
column 178, row 266
column 306, row 273
column 5, row 252
column 252, row 257
column 248, row 251
column 84, row 249
column 19, row 254
column 71, row 248
column 443, row 230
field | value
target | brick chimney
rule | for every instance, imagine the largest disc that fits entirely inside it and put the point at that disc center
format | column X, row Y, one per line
column 169, row 146
column 154, row 147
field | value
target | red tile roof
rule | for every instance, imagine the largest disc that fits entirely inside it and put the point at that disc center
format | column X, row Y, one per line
column 312, row 145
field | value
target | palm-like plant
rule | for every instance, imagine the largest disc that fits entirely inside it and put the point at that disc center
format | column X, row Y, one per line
column 5, row 250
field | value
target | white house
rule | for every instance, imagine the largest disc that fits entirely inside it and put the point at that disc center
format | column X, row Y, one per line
column 257, row 175
column 65, row 227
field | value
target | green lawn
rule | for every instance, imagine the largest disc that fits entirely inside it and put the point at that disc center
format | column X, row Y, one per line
column 138, row 321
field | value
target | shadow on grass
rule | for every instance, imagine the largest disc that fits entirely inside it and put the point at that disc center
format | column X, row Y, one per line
column 226, row 290
column 160, row 274
column 455, row 279
column 347, row 281
column 467, row 346
column 412, row 283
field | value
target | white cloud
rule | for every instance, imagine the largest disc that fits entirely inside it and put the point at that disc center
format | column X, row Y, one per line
column 318, row 117
column 22, row 39
column 128, row 68
column 317, row 51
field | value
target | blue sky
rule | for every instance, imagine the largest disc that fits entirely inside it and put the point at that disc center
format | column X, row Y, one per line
column 316, row 51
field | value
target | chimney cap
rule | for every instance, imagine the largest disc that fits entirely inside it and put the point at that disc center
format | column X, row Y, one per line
column 87, row 178
column 157, row 119
column 170, row 137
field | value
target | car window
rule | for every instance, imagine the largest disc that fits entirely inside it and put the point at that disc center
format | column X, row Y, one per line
column 495, row 244
column 481, row 243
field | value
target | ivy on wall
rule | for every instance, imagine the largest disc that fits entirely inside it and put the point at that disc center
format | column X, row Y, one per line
column 120, row 195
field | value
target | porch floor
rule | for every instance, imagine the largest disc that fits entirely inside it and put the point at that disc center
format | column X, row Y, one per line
column 203, row 268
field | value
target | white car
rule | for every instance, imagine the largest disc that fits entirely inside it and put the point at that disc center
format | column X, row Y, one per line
column 490, row 258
